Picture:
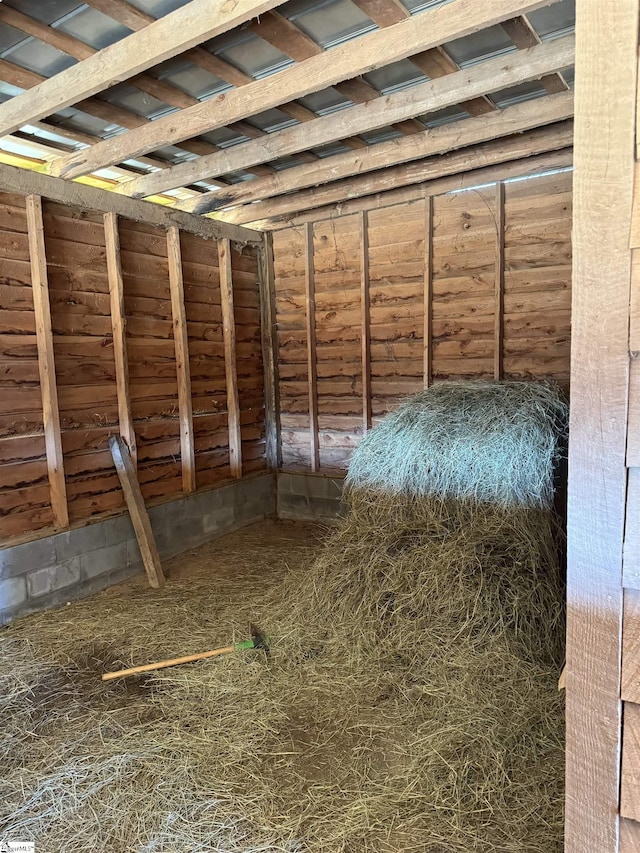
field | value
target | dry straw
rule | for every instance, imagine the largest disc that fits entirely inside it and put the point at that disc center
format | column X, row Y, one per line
column 408, row 704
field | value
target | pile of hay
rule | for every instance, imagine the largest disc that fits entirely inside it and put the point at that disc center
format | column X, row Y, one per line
column 409, row 702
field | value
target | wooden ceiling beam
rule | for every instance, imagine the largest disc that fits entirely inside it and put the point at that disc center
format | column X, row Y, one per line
column 448, row 137
column 284, row 35
column 103, row 109
column 520, row 118
column 178, row 31
column 523, row 35
column 134, row 19
column 384, row 13
column 561, row 159
column 429, row 29
column 492, row 75
column 26, row 182
column 111, row 113
column 435, row 62
column 516, row 147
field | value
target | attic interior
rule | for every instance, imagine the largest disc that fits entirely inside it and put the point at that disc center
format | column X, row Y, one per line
column 304, row 308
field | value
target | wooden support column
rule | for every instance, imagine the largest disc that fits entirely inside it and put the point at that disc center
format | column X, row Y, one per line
column 46, row 362
column 311, row 346
column 498, row 330
column 269, row 354
column 605, row 130
column 119, row 327
column 229, row 333
column 366, row 322
column 428, row 291
column 181, row 341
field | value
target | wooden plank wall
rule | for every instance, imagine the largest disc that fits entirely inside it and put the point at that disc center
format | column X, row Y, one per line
column 85, row 366
column 505, row 245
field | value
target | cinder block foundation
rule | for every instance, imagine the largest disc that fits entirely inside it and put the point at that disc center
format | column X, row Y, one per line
column 48, row 572
column 309, row 497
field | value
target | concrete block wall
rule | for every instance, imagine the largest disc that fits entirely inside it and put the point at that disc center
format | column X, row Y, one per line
column 50, row 571
column 309, row 497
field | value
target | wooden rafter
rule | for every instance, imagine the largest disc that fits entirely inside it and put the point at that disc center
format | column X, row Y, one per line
column 429, row 29
column 435, row 62
column 25, row 79
column 133, row 18
column 523, row 35
column 437, row 140
column 434, row 95
column 473, row 157
column 178, row 31
column 533, row 165
column 111, row 112
column 290, row 40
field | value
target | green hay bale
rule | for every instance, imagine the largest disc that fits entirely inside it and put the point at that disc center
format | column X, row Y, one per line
column 497, row 442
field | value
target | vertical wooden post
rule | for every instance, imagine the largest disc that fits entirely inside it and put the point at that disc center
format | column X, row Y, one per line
column 119, row 327
column 605, row 128
column 428, row 292
column 46, row 361
column 311, row 346
column 269, row 354
column 229, row 333
column 366, row 321
column 181, row 342
column 498, row 332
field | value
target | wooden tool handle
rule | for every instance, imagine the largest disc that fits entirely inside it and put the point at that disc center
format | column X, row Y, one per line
column 150, row 667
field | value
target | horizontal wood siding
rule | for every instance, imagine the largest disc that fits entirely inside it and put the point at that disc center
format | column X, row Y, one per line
column 245, row 266
column 86, row 380
column 83, row 349
column 458, row 262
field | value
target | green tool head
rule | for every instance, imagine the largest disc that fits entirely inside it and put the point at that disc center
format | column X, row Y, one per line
column 260, row 640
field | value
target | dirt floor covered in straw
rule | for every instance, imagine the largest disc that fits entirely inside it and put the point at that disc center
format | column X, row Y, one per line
column 50, row 669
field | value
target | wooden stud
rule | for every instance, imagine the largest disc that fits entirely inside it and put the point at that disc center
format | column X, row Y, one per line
column 137, row 511
column 310, row 314
column 429, row 29
column 46, row 361
column 366, row 322
column 181, row 342
column 498, row 334
column 428, row 291
column 119, row 327
column 231, row 372
column 269, row 351
column 606, row 79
